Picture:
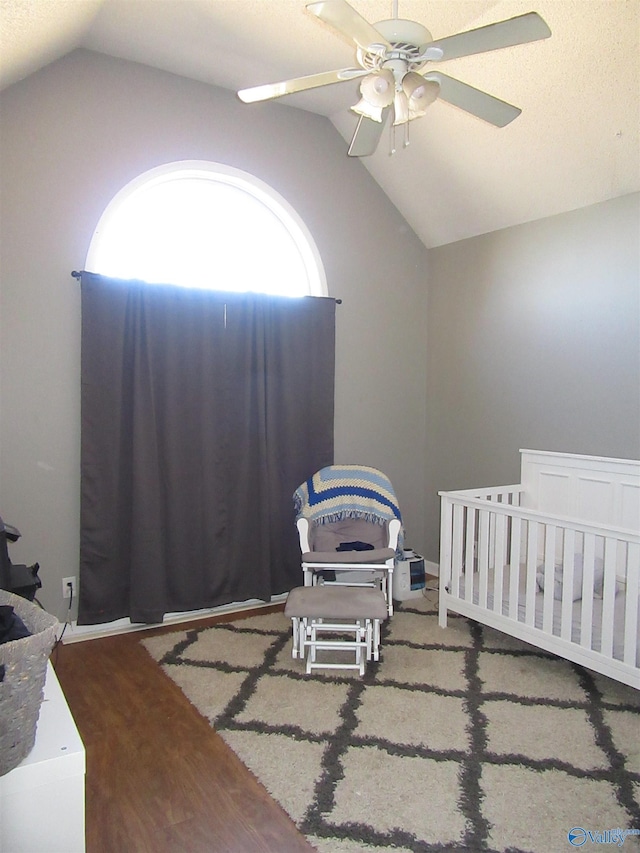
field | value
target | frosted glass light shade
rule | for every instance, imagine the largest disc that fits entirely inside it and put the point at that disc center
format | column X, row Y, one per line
column 377, row 90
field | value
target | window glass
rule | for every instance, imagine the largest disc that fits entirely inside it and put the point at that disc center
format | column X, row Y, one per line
column 206, row 225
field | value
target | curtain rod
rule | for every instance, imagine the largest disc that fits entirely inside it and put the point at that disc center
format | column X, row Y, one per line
column 78, row 274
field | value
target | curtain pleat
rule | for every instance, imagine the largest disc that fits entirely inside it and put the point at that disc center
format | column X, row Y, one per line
column 202, row 411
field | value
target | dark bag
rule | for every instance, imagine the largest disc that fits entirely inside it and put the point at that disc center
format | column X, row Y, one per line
column 19, row 579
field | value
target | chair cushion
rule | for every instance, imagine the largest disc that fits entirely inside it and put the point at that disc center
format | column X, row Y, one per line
column 379, row 555
column 329, row 536
column 336, row 602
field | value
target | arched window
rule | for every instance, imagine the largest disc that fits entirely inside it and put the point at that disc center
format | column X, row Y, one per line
column 206, row 225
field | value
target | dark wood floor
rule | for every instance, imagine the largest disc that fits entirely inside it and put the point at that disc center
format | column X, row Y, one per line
column 158, row 777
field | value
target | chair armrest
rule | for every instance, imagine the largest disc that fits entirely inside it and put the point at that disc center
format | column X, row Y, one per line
column 303, row 533
column 394, row 533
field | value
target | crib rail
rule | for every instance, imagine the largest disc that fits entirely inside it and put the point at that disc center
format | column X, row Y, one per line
column 564, row 585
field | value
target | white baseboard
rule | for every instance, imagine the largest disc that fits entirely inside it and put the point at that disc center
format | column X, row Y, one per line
column 74, row 633
column 432, row 568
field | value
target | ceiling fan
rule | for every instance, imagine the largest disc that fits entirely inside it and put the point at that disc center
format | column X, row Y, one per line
column 393, row 58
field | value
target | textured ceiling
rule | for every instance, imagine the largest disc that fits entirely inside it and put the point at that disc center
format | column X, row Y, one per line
column 577, row 141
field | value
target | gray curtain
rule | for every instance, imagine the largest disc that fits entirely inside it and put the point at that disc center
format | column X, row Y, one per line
column 202, row 411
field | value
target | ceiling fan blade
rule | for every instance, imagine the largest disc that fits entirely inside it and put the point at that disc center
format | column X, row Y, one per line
column 298, row 84
column 344, row 18
column 367, row 135
column 474, row 101
column 518, row 30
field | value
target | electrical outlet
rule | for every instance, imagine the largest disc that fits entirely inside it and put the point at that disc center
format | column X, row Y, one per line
column 67, row 585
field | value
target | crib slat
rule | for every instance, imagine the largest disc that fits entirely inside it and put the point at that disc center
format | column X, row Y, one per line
column 568, row 570
column 608, row 595
column 532, row 562
column 456, row 557
column 549, row 577
column 631, row 604
column 469, row 555
column 515, row 559
column 500, row 556
column 483, row 557
column 586, row 608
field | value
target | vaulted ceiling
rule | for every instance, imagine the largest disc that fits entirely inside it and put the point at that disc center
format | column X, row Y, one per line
column 577, row 141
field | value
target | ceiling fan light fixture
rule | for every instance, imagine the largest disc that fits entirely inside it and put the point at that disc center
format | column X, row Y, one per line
column 378, row 88
column 364, row 108
column 421, row 93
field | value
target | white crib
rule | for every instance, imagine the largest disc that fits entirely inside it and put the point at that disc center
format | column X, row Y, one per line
column 553, row 561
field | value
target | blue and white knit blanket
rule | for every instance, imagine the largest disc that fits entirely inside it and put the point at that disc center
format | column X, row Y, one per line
column 346, row 491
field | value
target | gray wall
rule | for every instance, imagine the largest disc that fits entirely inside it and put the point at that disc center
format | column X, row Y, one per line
column 532, row 331
column 533, row 343
column 71, row 136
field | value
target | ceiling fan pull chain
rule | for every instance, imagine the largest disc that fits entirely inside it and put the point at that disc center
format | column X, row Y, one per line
column 392, row 143
column 406, row 135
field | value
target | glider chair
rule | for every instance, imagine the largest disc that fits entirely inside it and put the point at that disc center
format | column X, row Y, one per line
column 350, row 530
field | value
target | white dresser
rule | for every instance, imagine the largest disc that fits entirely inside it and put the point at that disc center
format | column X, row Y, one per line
column 42, row 799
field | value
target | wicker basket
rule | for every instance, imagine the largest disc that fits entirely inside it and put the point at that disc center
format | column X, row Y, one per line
column 21, row 690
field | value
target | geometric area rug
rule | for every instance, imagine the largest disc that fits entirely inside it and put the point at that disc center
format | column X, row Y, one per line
column 458, row 739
